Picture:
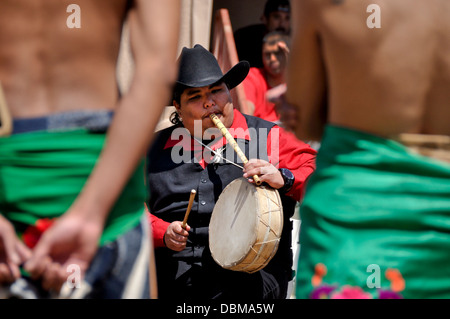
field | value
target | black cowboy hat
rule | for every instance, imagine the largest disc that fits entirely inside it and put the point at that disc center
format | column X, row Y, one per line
column 198, row 67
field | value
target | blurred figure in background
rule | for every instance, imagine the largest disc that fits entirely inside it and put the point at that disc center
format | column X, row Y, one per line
column 72, row 192
column 249, row 39
column 275, row 52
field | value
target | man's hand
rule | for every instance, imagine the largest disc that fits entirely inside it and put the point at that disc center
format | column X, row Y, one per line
column 287, row 112
column 71, row 240
column 266, row 172
column 284, row 48
column 176, row 237
column 12, row 253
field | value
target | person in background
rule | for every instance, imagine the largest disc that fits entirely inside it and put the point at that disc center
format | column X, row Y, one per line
column 259, row 81
column 276, row 17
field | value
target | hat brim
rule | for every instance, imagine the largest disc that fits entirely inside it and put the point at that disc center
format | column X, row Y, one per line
column 232, row 78
column 236, row 74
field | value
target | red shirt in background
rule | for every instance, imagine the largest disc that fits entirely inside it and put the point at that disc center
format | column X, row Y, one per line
column 256, row 87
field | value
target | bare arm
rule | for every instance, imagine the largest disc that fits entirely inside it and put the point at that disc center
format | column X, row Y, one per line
column 12, row 252
column 153, row 31
column 154, row 34
column 306, row 87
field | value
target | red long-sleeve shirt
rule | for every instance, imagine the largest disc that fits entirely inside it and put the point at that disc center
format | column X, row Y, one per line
column 255, row 87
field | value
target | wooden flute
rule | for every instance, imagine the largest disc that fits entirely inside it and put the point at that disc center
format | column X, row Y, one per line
column 218, row 123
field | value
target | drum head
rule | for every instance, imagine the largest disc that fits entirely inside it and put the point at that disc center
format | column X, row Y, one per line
column 233, row 225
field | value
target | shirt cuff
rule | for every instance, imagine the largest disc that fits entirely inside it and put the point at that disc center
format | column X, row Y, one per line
column 159, row 228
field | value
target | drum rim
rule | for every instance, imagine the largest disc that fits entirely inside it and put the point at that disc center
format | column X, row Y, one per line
column 251, row 267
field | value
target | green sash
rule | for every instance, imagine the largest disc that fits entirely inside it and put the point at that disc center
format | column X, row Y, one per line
column 42, row 173
column 375, row 221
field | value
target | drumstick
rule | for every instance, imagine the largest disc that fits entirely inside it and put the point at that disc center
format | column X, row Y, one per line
column 191, row 201
column 218, row 123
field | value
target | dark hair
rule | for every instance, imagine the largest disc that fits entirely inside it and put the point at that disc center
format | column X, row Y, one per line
column 177, row 91
column 175, row 118
column 275, row 36
column 276, row 5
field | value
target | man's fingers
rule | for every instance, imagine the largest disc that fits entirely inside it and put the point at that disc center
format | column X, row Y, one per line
column 180, row 238
column 39, row 259
column 53, row 277
column 14, row 270
column 176, row 245
column 177, row 236
column 23, row 252
column 257, row 168
column 9, row 272
column 37, row 265
column 6, row 275
column 177, row 228
column 253, row 163
column 9, row 245
column 181, row 232
column 283, row 47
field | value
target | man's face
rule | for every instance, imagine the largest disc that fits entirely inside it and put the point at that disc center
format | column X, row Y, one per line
column 196, row 104
column 278, row 21
column 274, row 59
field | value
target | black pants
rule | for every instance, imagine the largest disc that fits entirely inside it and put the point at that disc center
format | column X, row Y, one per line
column 210, row 281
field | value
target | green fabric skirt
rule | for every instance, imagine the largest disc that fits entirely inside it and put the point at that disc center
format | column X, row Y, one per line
column 375, row 221
column 41, row 174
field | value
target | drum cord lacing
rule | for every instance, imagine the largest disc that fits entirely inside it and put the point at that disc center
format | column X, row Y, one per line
column 265, row 240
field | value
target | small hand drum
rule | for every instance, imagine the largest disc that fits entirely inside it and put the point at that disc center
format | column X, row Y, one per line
column 245, row 226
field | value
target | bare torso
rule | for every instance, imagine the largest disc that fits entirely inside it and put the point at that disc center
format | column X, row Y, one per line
column 389, row 80
column 47, row 67
column 386, row 81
